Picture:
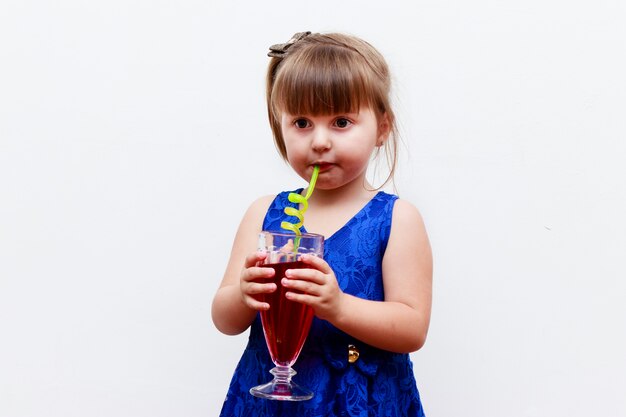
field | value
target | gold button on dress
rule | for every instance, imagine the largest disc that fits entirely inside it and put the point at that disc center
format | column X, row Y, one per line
column 353, row 353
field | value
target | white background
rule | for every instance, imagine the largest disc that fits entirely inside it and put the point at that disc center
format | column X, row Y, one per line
column 133, row 136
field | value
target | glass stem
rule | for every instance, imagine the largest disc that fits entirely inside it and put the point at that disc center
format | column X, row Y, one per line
column 283, row 374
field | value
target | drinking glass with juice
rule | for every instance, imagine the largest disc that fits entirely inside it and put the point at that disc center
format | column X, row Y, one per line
column 286, row 324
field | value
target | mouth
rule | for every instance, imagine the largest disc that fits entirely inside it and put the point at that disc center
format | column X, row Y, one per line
column 324, row 166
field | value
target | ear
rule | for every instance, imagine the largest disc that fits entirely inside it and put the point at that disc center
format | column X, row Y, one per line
column 384, row 129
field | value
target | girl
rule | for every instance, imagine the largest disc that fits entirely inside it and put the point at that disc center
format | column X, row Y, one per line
column 328, row 105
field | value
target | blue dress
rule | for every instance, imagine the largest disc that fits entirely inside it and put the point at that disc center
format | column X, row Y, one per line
column 379, row 382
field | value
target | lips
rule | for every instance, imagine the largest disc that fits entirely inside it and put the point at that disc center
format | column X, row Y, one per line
column 324, row 166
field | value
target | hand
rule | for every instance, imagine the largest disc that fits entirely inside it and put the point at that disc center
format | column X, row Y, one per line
column 315, row 286
column 251, row 281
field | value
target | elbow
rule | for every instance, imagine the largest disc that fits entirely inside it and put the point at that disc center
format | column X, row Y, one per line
column 229, row 331
column 416, row 333
column 228, row 322
column 420, row 332
column 410, row 345
column 417, row 341
column 222, row 327
column 412, row 342
column 220, row 324
column 228, row 328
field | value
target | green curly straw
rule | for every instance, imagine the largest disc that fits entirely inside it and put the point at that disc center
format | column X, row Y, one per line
column 299, row 213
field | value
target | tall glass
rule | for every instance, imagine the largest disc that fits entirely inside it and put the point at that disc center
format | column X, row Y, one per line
column 286, row 324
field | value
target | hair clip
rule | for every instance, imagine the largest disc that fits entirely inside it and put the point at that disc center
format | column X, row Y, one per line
column 280, row 50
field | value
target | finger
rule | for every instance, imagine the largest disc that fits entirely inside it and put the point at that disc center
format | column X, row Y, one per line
column 254, row 259
column 306, row 274
column 307, row 299
column 256, row 288
column 317, row 263
column 254, row 295
column 300, row 286
column 257, row 273
column 255, row 304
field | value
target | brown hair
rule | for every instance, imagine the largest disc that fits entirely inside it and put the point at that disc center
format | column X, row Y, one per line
column 324, row 74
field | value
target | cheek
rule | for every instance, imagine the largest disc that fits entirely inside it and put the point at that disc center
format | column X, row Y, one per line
column 295, row 149
column 358, row 154
column 297, row 160
column 292, row 155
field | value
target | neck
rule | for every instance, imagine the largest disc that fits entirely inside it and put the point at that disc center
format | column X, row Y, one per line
column 356, row 191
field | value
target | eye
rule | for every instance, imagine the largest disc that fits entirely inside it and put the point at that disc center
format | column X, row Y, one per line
column 301, row 123
column 342, row 122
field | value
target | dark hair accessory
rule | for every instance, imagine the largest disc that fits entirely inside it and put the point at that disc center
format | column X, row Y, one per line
column 280, row 50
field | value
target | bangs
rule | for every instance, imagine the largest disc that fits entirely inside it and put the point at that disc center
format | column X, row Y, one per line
column 329, row 74
column 329, row 81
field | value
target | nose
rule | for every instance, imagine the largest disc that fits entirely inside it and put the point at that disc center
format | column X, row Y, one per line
column 321, row 140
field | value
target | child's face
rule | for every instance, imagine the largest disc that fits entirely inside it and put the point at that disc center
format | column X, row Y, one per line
column 341, row 144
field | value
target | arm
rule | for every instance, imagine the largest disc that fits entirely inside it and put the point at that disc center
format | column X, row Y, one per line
column 398, row 324
column 234, row 306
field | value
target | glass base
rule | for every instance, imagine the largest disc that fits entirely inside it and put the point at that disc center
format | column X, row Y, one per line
column 282, row 388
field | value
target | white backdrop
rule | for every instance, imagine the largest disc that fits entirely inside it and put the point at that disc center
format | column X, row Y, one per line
column 133, row 137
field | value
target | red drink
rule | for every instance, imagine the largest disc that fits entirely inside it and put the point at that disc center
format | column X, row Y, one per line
column 286, row 324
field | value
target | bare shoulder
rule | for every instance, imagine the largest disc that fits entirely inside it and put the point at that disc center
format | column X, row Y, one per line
column 255, row 212
column 408, row 231
column 406, row 215
column 261, row 204
column 246, row 237
column 408, row 263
